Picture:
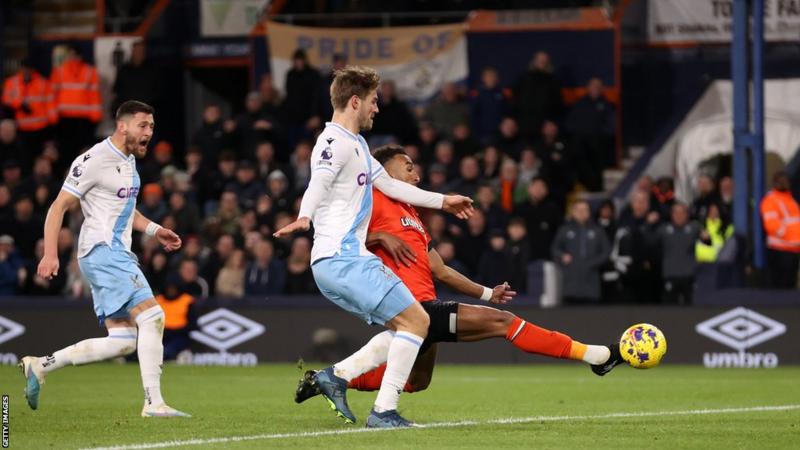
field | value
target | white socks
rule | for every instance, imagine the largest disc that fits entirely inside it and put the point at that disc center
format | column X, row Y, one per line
column 151, row 353
column 596, row 354
column 402, row 354
column 368, row 357
column 119, row 342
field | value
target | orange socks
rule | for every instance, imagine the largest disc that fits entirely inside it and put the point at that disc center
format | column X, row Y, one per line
column 371, row 381
column 532, row 339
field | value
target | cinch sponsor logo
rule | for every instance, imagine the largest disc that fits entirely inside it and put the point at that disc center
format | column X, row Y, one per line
column 124, row 192
column 223, row 329
column 740, row 329
column 361, row 179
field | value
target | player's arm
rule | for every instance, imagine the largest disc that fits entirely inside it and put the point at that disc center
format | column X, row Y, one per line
column 457, row 205
column 168, row 238
column 48, row 266
column 455, row 280
column 326, row 163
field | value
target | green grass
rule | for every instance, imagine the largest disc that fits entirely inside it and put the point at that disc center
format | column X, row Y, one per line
column 99, row 405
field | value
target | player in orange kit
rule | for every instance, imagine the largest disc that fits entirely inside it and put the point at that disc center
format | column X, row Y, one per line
column 397, row 237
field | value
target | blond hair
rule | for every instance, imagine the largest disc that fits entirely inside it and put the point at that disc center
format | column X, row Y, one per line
column 350, row 81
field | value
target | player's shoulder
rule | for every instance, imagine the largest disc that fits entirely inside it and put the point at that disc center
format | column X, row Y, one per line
column 334, row 137
column 91, row 156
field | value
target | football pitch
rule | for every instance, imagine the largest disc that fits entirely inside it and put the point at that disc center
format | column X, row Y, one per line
column 466, row 406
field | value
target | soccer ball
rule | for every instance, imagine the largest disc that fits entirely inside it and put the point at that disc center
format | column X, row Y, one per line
column 642, row 346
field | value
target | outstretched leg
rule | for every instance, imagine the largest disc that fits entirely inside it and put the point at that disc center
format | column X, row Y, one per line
column 476, row 323
column 121, row 341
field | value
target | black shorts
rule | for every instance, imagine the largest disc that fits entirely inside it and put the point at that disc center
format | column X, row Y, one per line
column 441, row 314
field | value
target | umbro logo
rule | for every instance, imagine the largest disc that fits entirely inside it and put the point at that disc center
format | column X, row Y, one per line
column 222, row 329
column 9, row 329
column 741, row 328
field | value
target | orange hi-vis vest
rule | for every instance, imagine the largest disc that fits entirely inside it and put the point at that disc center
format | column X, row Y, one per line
column 176, row 312
column 36, row 94
column 77, row 91
column 781, row 215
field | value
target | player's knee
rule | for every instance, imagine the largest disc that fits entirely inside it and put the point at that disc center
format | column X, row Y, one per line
column 421, row 323
column 152, row 316
column 502, row 320
column 124, row 340
column 127, row 349
column 413, row 320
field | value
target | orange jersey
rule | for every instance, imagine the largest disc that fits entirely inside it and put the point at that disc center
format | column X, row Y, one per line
column 401, row 220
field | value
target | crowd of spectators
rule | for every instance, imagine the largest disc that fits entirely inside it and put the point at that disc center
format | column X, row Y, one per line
column 516, row 148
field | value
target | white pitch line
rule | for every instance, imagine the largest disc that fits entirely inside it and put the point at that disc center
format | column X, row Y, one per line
column 506, row 421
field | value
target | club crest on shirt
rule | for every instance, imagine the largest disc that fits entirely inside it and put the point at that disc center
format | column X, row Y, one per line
column 408, row 222
column 137, row 283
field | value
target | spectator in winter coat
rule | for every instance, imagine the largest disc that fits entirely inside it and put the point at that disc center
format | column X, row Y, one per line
column 592, row 123
column 395, row 119
column 447, row 111
column 517, row 254
column 537, row 95
column 542, row 218
column 488, row 105
column 580, row 249
column 210, row 137
column 678, row 239
column 493, row 268
column 230, row 279
column 265, row 275
column 706, row 196
column 12, row 267
column 302, row 83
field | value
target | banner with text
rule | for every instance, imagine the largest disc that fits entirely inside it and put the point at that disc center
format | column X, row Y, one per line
column 681, row 21
column 418, row 59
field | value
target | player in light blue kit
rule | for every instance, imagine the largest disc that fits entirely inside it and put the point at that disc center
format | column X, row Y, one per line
column 105, row 182
column 339, row 201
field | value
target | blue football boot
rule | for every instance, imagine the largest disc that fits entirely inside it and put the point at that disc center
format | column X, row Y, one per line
column 334, row 389
column 388, row 419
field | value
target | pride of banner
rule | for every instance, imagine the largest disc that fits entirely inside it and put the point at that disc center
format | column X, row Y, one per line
column 418, row 59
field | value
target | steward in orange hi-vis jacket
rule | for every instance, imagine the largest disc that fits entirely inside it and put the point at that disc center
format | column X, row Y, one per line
column 77, row 92
column 77, row 101
column 781, row 215
column 29, row 95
